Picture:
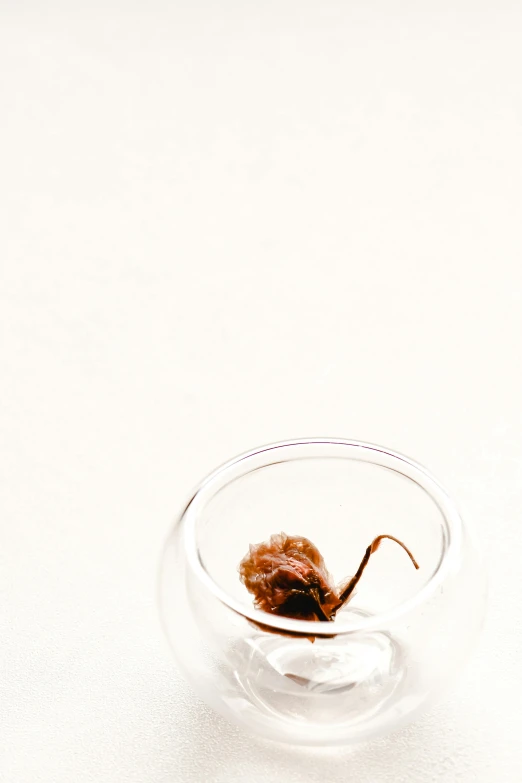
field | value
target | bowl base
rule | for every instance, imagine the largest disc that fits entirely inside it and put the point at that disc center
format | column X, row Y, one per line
column 342, row 680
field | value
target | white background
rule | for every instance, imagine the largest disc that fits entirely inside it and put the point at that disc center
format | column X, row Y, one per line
column 222, row 224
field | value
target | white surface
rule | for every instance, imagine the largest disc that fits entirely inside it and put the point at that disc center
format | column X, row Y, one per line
column 225, row 224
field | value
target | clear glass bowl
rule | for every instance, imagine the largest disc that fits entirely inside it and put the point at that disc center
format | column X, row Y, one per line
column 393, row 648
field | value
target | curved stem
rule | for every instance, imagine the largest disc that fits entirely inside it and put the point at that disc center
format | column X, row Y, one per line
column 350, row 587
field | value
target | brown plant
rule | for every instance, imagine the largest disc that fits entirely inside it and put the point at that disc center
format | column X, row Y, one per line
column 287, row 576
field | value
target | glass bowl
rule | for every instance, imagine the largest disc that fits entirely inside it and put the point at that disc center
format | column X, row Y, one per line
column 391, row 650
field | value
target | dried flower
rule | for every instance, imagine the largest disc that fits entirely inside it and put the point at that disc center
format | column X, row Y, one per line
column 287, row 576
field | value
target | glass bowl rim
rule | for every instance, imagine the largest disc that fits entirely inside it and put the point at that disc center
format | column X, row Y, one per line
column 452, row 540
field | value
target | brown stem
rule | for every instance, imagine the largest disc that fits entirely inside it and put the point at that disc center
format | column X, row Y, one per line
column 314, row 595
column 374, row 546
column 319, row 609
